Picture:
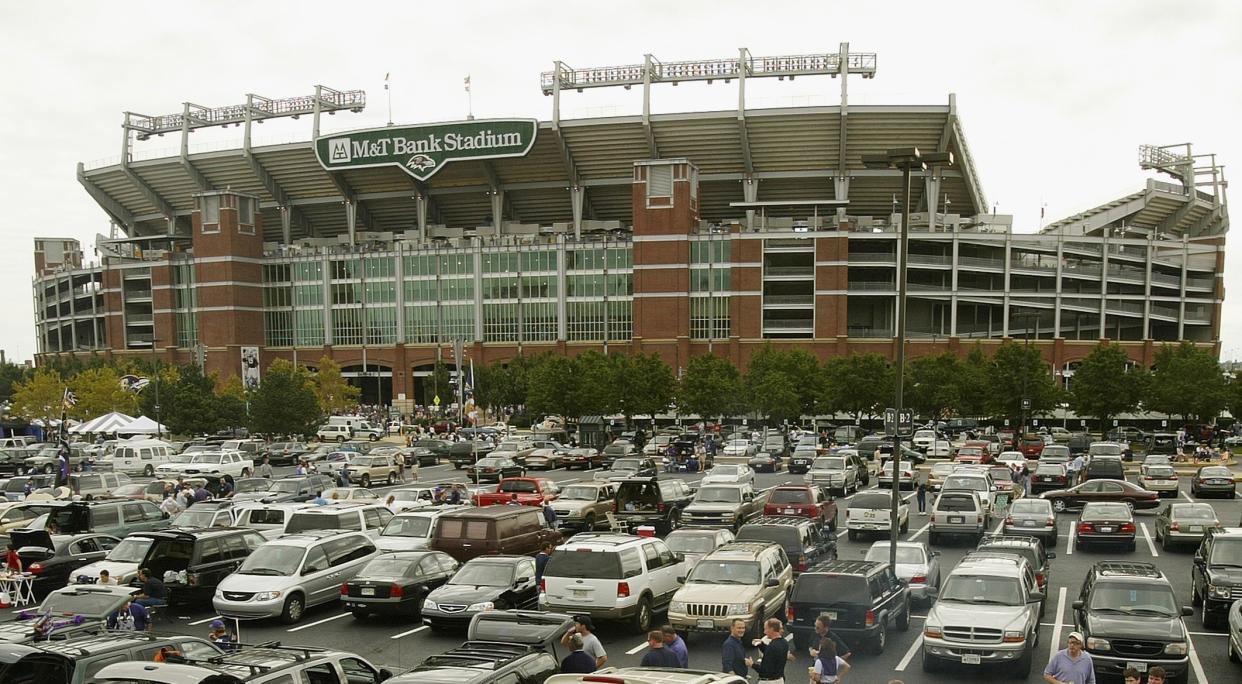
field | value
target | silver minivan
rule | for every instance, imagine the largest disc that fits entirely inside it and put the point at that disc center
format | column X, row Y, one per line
column 957, row 511
column 285, row 576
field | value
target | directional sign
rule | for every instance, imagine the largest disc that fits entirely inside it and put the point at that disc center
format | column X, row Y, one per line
column 1026, row 404
column 898, row 424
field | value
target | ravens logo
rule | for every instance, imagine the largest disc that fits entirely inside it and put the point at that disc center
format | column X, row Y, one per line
column 420, row 162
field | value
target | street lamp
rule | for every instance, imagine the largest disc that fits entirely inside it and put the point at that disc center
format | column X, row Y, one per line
column 907, row 159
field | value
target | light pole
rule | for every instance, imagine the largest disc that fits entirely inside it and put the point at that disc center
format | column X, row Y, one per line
column 907, row 159
column 155, row 363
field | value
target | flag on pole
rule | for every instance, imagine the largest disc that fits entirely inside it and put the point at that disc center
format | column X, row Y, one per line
column 467, row 83
column 68, row 400
column 386, row 75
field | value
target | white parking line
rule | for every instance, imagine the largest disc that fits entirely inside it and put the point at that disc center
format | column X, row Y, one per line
column 416, row 630
column 1188, row 497
column 205, row 621
column 1150, row 544
column 318, row 622
column 918, row 532
column 1069, row 541
column 1196, row 665
column 914, row 648
column 1055, row 644
column 842, row 533
column 999, row 526
column 637, row 649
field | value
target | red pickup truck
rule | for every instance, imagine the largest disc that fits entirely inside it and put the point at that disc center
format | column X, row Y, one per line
column 530, row 491
column 804, row 501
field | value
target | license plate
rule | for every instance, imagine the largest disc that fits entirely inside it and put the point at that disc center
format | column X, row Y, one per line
column 832, row 614
column 580, row 593
column 1028, row 523
column 971, row 659
column 1106, row 530
column 956, row 519
column 790, row 511
column 1141, row 667
column 368, row 591
column 1196, row 528
column 705, row 624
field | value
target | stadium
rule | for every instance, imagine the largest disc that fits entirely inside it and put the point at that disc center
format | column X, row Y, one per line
column 677, row 233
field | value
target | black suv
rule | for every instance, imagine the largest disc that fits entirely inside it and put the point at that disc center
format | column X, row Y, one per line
column 1127, row 613
column 864, row 599
column 1103, row 468
column 1030, row 548
column 1216, row 576
column 651, row 501
column 476, row 662
column 199, row 557
column 803, row 539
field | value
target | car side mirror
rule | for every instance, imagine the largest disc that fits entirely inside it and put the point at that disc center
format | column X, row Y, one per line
column 935, row 553
column 385, row 674
column 1035, row 597
column 1076, row 605
column 1187, row 611
column 933, row 590
column 772, row 582
column 1051, row 555
column 681, row 579
column 679, row 557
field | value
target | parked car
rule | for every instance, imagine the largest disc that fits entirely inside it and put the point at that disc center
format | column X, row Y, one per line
column 695, row 542
column 648, row 501
column 836, row 473
column 871, row 513
column 370, row 468
column 284, row 453
column 1105, row 523
column 495, row 468
column 232, row 463
column 411, row 530
column 85, row 658
column 583, row 506
column 1185, row 523
column 363, row 517
column 977, row 480
column 1102, row 490
column 1215, row 580
column 1055, row 453
column 803, row 501
column 1129, row 616
column 508, row 530
column 804, row 541
column 297, row 488
column 54, row 560
column 729, row 474
column 1027, row 547
column 917, row 565
column 397, row 583
column 117, row 517
column 728, row 505
column 527, row 491
column 747, row 581
column 865, row 600
column 906, row 473
column 957, row 512
column 742, row 448
column 1049, row 477
column 1033, row 517
column 1214, row 480
column 623, row 468
column 937, row 474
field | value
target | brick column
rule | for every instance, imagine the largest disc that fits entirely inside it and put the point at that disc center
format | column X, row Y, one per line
column 666, row 212
column 831, row 310
column 228, row 248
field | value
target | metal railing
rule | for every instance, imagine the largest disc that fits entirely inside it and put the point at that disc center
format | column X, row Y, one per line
column 137, row 294
column 939, row 259
column 873, row 257
column 789, row 271
column 789, row 299
column 981, row 262
column 788, row 324
column 858, row 331
column 871, row 285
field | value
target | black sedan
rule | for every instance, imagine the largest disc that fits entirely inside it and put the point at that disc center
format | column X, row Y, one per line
column 1105, row 523
column 52, row 560
column 1214, row 480
column 764, row 462
column 483, row 584
column 1102, row 490
column 397, row 583
column 495, row 468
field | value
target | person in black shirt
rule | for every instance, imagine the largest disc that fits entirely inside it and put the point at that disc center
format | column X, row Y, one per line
column 578, row 661
column 657, row 655
column 153, row 592
column 541, row 560
column 771, row 667
column 732, row 653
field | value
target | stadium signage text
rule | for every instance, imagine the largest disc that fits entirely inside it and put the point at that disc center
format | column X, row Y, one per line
column 421, row 151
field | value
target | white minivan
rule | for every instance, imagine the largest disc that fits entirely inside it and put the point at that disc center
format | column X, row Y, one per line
column 138, row 457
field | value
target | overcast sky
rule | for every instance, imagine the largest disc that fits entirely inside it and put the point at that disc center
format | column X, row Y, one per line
column 1055, row 97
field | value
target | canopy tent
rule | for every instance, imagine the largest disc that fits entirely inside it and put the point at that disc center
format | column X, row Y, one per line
column 106, row 424
column 143, row 425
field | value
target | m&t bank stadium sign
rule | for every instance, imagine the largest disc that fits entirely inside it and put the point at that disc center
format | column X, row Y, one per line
column 421, row 151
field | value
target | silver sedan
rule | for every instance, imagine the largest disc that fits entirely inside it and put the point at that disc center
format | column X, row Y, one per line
column 917, row 565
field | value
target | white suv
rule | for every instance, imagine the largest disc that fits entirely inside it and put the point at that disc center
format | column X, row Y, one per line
column 369, row 519
column 334, row 433
column 612, row 577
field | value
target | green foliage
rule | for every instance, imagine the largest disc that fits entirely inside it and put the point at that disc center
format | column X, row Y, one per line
column 1233, row 397
column 711, row 387
column 934, row 385
column 552, row 384
column 10, row 375
column 497, row 385
column 1186, row 382
column 858, row 384
column 39, row 396
column 973, row 381
column 99, row 391
column 644, row 384
column 334, row 393
column 591, row 387
column 783, row 384
column 1019, row 371
column 187, row 399
column 285, row 402
column 1103, row 387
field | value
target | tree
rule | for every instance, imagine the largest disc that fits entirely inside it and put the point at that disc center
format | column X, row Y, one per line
column 1018, row 371
column 711, row 387
column 334, row 393
column 974, row 397
column 187, row 400
column 1233, row 396
column 551, row 386
column 231, row 401
column 285, row 402
column 858, row 384
column 593, row 391
column 1104, row 386
column 99, row 391
column 10, row 375
column 1186, row 382
column 644, row 384
column 934, row 385
column 39, row 397
column 800, row 371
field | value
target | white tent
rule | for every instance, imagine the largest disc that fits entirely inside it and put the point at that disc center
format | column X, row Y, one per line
column 108, row 423
column 143, row 425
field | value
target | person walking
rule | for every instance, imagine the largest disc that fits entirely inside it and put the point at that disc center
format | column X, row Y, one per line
column 823, row 628
column 657, row 655
column 584, row 627
column 1070, row 665
column 170, row 505
column 400, row 460
column 677, row 645
column 541, row 561
column 771, row 665
column 578, row 661
column 732, row 653
column 921, row 495
column 265, row 468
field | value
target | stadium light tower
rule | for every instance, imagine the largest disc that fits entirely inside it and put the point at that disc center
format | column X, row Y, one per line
column 907, row 159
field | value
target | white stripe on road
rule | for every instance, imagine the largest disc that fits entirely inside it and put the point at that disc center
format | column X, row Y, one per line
column 416, row 630
column 914, row 648
column 1056, row 631
column 999, row 526
column 205, row 621
column 319, row 622
column 637, row 649
column 918, row 532
column 1188, row 498
column 1194, row 663
column 1150, row 544
column 1069, row 541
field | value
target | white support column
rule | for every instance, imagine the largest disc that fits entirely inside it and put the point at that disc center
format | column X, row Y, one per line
column 562, row 312
column 498, row 209
column 841, row 191
column 1005, row 308
column 1147, row 288
column 1104, row 283
column 576, row 196
column 420, row 201
column 286, row 224
column 1181, row 300
column 478, row 290
column 1056, row 310
column 399, row 272
column 931, row 190
column 327, row 300
column 351, row 220
column 953, row 289
column 750, row 193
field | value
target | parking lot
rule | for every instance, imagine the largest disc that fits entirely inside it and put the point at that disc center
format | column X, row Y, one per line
column 403, row 643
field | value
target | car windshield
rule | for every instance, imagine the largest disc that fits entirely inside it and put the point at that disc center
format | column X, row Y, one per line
column 977, row 484
column 388, row 567
column 256, row 485
column 285, row 487
column 416, row 526
column 484, row 575
column 791, row 496
column 942, row 469
column 583, row 564
column 521, row 486
column 509, row 445
column 273, row 559
column 829, row 463
column 131, row 550
column 709, row 571
column 739, row 443
column 627, row 464
column 1030, row 507
column 1194, row 512
column 194, row 518
column 1134, row 599
column 680, row 542
column 74, row 603
column 726, row 470
column 1001, row 591
column 1105, row 511
column 206, row 458
column 1001, row 474
column 888, row 467
column 871, row 501
column 404, row 494
column 578, row 493
column 925, row 434
column 492, row 462
column 1227, row 552
column 129, row 490
column 1050, row 469
column 1215, row 472
column 905, row 554
column 718, row 495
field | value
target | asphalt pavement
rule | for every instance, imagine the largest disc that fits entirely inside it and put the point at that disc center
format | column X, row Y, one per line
column 404, row 643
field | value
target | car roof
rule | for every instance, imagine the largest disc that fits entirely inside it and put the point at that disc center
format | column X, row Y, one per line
column 490, row 512
column 847, row 567
column 741, row 549
column 1128, row 569
column 603, row 539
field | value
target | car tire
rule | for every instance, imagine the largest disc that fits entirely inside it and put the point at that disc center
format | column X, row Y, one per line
column 641, row 622
column 880, row 642
column 903, row 622
column 392, row 479
column 1058, row 505
column 1234, row 657
column 1196, row 599
column 374, row 438
column 933, row 538
column 359, row 614
column 931, row 664
column 148, row 471
column 905, row 526
column 47, row 469
column 340, row 439
column 295, row 607
column 590, row 522
column 1132, row 546
column 1164, row 541
column 1022, row 669
column 852, row 534
column 365, row 481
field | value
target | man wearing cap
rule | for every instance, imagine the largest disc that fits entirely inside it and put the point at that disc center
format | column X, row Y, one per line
column 584, row 627
column 1071, row 665
column 219, row 635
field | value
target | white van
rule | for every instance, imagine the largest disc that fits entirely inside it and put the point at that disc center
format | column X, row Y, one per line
column 350, row 421
column 138, row 457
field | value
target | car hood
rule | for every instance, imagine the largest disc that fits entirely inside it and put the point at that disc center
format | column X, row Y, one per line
column 254, row 496
column 1136, row 627
column 401, row 543
column 715, row 593
column 256, row 583
column 571, row 505
column 993, row 617
column 1229, row 576
column 697, row 507
column 464, row 593
column 721, row 479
